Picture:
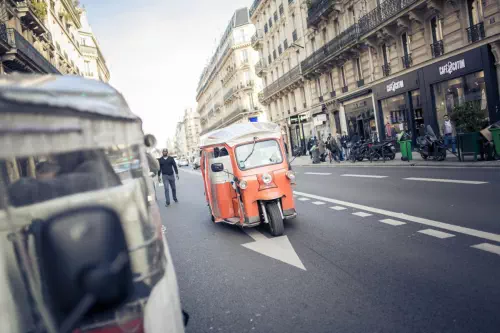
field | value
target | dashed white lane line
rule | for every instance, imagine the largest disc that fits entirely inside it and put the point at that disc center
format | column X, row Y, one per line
column 392, row 222
column 317, row 173
column 488, row 247
column 362, row 214
column 338, row 208
column 456, row 181
column 318, row 203
column 363, row 176
column 303, row 199
column 410, row 218
column 436, row 233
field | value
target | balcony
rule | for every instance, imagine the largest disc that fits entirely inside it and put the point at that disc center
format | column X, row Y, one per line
column 476, row 32
column 360, row 83
column 383, row 12
column 260, row 68
column 407, row 61
column 294, row 35
column 228, row 94
column 24, row 57
column 319, row 10
column 30, row 19
column 386, row 69
column 289, row 79
column 254, row 7
column 437, row 49
column 257, row 39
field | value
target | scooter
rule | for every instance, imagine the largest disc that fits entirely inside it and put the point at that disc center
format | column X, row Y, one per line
column 430, row 146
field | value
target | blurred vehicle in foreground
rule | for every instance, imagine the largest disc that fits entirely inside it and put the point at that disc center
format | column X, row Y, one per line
column 82, row 247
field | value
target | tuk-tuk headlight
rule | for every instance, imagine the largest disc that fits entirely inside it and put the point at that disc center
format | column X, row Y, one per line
column 243, row 184
column 266, row 178
column 290, row 175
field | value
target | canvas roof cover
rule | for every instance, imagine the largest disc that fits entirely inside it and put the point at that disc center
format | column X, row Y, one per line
column 239, row 133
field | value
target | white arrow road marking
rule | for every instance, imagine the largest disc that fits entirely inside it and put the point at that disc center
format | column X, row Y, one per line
column 318, row 173
column 447, row 181
column 278, row 248
column 488, row 247
column 363, row 176
column 410, row 218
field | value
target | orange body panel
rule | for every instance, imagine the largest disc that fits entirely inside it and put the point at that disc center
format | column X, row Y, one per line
column 225, row 200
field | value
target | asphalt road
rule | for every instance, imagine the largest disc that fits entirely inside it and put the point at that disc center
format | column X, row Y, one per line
column 361, row 275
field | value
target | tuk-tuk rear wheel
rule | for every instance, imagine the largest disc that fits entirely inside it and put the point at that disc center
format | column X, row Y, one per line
column 275, row 220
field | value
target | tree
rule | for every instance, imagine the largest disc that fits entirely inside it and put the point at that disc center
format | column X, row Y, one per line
column 469, row 117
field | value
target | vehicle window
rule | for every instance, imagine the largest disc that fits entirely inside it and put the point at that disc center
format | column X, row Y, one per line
column 30, row 180
column 265, row 153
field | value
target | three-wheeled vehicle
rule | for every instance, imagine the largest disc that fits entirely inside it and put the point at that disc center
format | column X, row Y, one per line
column 247, row 177
column 81, row 241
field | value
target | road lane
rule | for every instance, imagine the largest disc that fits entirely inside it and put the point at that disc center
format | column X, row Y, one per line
column 362, row 275
column 431, row 200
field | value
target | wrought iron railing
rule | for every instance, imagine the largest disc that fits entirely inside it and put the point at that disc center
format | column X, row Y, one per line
column 16, row 40
column 437, row 49
column 318, row 10
column 257, row 37
column 260, row 66
column 407, row 61
column 3, row 33
column 386, row 69
column 284, row 81
column 386, row 10
column 475, row 32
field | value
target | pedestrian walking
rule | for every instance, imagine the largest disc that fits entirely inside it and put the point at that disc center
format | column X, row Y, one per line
column 322, row 150
column 449, row 133
column 167, row 169
column 334, row 149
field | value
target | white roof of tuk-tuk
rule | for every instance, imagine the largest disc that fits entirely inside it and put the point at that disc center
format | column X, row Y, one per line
column 240, row 133
column 76, row 93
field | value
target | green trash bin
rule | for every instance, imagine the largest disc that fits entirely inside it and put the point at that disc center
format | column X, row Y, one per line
column 405, row 147
column 495, row 133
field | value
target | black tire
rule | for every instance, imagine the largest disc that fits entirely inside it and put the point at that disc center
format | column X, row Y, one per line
column 276, row 224
column 210, row 212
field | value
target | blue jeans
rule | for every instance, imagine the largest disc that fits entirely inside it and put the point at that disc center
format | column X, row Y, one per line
column 169, row 180
column 449, row 138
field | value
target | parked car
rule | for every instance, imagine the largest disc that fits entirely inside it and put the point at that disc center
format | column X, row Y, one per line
column 183, row 162
column 196, row 163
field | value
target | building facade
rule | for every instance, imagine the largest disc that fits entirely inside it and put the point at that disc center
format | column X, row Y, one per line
column 94, row 64
column 41, row 36
column 228, row 89
column 375, row 68
column 181, row 148
column 192, row 129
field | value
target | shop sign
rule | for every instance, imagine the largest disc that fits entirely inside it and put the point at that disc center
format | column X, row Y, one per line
column 295, row 119
column 451, row 67
column 395, row 85
column 319, row 119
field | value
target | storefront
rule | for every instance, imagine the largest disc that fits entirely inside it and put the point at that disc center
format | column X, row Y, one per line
column 360, row 117
column 298, row 124
column 321, row 122
column 422, row 97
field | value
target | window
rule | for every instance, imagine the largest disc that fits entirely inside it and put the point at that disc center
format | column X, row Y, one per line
column 303, row 95
column 82, row 41
column 352, row 15
column 330, row 76
column 359, row 72
column 405, row 42
column 336, row 27
column 259, row 154
column 313, row 44
column 342, row 77
column 244, row 56
column 87, row 67
column 475, row 11
column 325, row 36
column 318, row 87
column 436, row 30
column 385, row 54
column 293, row 22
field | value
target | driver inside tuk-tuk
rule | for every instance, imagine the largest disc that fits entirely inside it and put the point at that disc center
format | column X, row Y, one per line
column 61, row 175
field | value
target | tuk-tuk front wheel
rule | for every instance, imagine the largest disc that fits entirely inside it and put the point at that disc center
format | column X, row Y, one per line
column 275, row 220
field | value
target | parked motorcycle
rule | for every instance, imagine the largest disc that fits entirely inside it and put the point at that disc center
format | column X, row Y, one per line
column 430, row 146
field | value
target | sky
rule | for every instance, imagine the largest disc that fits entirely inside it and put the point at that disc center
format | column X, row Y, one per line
column 156, row 51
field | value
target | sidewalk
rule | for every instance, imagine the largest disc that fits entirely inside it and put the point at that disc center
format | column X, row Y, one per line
column 418, row 161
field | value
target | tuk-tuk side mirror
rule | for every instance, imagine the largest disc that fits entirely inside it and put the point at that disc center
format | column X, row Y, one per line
column 217, row 167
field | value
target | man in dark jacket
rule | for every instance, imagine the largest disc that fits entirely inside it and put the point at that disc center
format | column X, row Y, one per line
column 167, row 169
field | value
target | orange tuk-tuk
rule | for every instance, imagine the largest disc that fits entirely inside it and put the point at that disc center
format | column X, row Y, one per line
column 247, row 177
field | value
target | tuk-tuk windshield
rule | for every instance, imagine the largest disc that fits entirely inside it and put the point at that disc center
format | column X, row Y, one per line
column 264, row 153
